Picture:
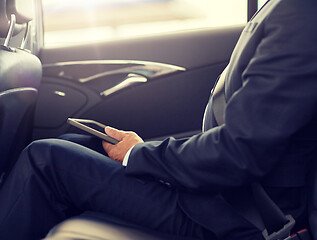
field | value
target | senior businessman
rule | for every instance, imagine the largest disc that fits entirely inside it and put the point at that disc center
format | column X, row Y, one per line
column 181, row 186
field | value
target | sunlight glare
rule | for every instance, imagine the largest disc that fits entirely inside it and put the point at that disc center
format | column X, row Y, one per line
column 69, row 21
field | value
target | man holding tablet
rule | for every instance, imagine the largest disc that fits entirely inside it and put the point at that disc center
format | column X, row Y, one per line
column 179, row 186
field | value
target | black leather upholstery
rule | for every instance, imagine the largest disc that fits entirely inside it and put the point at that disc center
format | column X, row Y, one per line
column 19, row 68
column 20, row 76
column 16, row 111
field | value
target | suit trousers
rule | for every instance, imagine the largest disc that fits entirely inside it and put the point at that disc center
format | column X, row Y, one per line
column 55, row 179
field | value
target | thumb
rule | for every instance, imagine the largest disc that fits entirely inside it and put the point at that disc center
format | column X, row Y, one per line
column 114, row 133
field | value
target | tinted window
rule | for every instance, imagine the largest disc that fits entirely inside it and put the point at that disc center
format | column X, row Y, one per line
column 69, row 21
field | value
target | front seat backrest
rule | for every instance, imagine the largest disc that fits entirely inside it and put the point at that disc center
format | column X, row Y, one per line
column 18, row 67
column 16, row 109
column 20, row 76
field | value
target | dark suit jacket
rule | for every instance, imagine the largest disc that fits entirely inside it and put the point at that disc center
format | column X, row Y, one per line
column 270, row 129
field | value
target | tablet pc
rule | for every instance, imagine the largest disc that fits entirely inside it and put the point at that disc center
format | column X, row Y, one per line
column 95, row 128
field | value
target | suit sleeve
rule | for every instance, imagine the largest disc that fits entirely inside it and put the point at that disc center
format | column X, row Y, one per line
column 278, row 98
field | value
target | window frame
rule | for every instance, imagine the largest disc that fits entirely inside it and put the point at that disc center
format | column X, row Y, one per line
column 252, row 8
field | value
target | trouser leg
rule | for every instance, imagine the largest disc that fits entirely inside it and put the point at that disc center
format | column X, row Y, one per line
column 55, row 179
column 241, row 230
column 88, row 141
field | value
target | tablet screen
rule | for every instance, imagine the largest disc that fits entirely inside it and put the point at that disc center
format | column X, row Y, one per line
column 90, row 126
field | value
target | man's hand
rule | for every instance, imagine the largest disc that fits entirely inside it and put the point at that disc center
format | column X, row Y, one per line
column 127, row 141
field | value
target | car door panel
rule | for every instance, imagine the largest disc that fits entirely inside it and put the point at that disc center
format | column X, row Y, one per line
column 187, row 49
column 168, row 104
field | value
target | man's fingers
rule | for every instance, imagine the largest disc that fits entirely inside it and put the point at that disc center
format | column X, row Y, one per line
column 126, row 141
column 107, row 146
column 115, row 133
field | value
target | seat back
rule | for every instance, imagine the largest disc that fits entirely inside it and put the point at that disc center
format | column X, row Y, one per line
column 18, row 67
column 20, row 76
column 16, row 110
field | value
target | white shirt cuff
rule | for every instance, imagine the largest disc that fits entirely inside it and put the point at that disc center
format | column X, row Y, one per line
column 126, row 158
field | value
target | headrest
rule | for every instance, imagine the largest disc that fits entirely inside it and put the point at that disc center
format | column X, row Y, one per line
column 22, row 9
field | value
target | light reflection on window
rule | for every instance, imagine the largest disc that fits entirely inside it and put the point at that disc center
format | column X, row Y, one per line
column 71, row 21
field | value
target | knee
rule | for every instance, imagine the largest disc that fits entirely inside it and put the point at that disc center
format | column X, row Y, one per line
column 45, row 152
column 56, row 153
column 40, row 147
column 34, row 157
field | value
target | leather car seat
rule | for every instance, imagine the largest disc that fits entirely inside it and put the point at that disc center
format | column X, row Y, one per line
column 93, row 225
column 16, row 110
column 18, row 67
column 20, row 76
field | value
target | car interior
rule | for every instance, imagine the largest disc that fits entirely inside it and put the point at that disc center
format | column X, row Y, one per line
column 154, row 85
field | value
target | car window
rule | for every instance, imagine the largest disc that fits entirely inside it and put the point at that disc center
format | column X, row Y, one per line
column 261, row 3
column 71, row 21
